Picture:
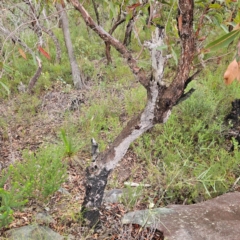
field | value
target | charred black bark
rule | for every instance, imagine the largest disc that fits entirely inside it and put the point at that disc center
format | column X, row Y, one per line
column 95, row 186
column 233, row 118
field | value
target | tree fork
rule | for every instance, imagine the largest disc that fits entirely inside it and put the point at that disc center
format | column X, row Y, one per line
column 160, row 99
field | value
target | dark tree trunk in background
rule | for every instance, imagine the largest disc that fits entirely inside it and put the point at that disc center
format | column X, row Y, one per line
column 76, row 74
column 160, row 99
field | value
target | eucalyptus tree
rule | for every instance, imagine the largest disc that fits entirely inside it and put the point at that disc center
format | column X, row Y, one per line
column 161, row 96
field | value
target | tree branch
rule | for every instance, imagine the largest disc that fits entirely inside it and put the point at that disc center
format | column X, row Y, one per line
column 114, row 27
column 96, row 11
column 137, row 71
column 34, row 79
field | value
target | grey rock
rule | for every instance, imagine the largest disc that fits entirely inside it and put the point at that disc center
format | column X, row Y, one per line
column 215, row 219
column 112, row 196
column 64, row 191
column 22, row 87
column 33, row 232
column 71, row 237
column 43, row 218
column 149, row 217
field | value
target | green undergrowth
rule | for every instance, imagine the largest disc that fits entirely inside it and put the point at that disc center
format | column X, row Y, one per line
column 188, row 158
column 37, row 177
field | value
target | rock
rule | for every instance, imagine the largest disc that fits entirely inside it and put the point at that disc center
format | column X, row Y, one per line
column 215, row 219
column 22, row 87
column 44, row 218
column 133, row 184
column 112, row 196
column 71, row 237
column 64, row 191
column 33, row 232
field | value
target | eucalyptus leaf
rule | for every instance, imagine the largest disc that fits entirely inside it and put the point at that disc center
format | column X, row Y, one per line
column 215, row 6
column 175, row 56
column 223, row 41
column 224, row 28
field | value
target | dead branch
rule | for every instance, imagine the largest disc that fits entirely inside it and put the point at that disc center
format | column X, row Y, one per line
column 34, row 79
column 114, row 27
column 96, row 11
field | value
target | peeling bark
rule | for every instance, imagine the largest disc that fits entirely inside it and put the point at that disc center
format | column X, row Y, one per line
column 160, row 99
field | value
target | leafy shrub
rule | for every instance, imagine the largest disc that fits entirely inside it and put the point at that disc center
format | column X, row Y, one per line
column 39, row 175
column 7, row 202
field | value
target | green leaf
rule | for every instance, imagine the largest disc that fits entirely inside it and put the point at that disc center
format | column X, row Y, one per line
column 175, row 56
column 223, row 41
column 128, row 17
column 5, row 87
column 7, row 68
column 224, row 28
column 215, row 6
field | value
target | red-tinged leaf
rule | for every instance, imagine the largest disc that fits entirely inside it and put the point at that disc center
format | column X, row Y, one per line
column 44, row 53
column 22, row 53
column 133, row 6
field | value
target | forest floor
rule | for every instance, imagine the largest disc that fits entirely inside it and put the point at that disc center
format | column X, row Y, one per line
column 64, row 207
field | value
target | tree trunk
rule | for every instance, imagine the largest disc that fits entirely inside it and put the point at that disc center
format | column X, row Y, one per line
column 76, row 74
column 160, row 99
